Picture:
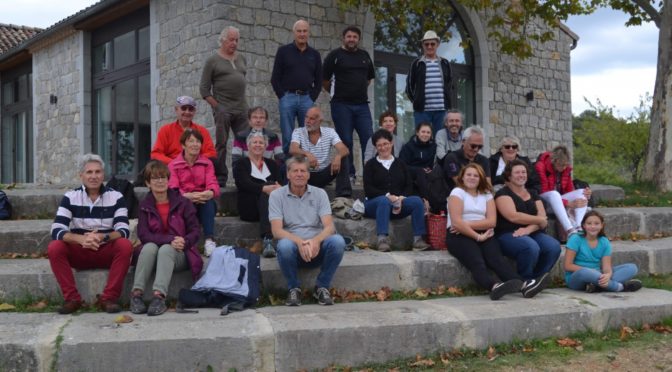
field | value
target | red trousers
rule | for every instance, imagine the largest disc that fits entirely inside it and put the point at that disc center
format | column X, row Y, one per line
column 115, row 255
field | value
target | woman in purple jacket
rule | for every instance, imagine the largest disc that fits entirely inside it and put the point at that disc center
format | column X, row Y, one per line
column 169, row 231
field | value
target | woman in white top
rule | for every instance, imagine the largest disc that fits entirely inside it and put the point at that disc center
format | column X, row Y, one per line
column 471, row 220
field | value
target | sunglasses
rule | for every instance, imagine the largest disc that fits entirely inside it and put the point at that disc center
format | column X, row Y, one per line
column 509, row 147
column 430, row 44
column 159, row 178
column 475, row 146
column 188, row 108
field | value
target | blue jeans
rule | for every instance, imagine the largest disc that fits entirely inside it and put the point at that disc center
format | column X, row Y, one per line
column 330, row 256
column 620, row 274
column 348, row 118
column 380, row 208
column 535, row 254
column 206, row 216
column 292, row 106
column 434, row 117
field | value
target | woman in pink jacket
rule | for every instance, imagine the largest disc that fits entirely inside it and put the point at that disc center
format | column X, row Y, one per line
column 194, row 175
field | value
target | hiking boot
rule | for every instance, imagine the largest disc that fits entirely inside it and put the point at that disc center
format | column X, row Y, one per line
column 420, row 245
column 592, row 288
column 209, row 246
column 383, row 244
column 293, row 297
column 322, row 296
column 137, row 305
column 157, row 306
column 502, row 288
column 69, row 307
column 108, row 306
column 533, row 286
column 269, row 250
column 632, row 285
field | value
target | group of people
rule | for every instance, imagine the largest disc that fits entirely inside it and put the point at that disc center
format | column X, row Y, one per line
column 280, row 183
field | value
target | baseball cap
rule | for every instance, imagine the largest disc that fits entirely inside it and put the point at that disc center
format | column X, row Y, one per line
column 186, row 100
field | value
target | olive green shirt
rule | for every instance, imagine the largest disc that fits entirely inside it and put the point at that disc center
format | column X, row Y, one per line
column 225, row 81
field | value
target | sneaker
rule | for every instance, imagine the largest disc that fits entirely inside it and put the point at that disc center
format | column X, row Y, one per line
column 269, row 250
column 108, row 306
column 420, row 245
column 137, row 304
column 157, row 306
column 322, row 296
column 592, row 288
column 502, row 288
column 293, row 297
column 632, row 285
column 533, row 286
column 210, row 246
column 383, row 244
column 69, row 307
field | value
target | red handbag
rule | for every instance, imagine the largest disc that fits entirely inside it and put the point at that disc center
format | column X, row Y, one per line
column 436, row 231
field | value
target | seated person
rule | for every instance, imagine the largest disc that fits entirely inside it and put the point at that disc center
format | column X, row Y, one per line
column 167, row 146
column 387, row 121
column 90, row 231
column 258, row 118
column 509, row 150
column 169, row 231
column 557, row 189
column 194, row 176
column 470, row 238
column 449, row 138
column 388, row 186
column 301, row 220
column 418, row 154
column 472, row 143
column 256, row 177
column 521, row 220
column 315, row 143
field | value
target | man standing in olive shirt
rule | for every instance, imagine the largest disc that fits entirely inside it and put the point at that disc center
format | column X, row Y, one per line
column 352, row 72
column 223, row 87
column 296, row 80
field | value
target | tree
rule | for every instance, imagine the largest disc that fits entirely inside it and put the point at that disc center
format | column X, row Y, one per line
column 512, row 25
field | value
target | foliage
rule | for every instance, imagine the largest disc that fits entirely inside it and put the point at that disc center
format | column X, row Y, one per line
column 607, row 148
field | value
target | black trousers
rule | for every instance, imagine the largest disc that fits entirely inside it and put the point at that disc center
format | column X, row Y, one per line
column 260, row 213
column 323, row 177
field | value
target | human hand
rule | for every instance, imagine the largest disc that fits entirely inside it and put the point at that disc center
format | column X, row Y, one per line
column 587, row 192
column 178, row 243
column 91, row 240
column 305, row 250
column 522, row 231
column 604, row 280
column 335, row 165
column 312, row 161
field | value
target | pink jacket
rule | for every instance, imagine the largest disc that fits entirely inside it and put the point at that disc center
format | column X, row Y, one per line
column 199, row 177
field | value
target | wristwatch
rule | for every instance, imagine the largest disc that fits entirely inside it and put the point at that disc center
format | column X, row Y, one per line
column 106, row 238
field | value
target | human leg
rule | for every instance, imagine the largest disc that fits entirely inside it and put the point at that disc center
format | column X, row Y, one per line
column 331, row 254
column 264, row 223
column 206, row 216
column 421, row 117
column 436, row 118
column 554, row 199
column 343, row 186
column 523, row 249
column 222, row 125
column 623, row 273
column 321, row 178
column 343, row 118
column 379, row 208
column 145, row 266
column 495, row 261
column 467, row 251
column 168, row 261
column 304, row 103
column 363, row 124
column 288, row 260
column 549, row 252
column 580, row 278
column 414, row 206
column 287, row 110
column 59, row 253
column 116, row 256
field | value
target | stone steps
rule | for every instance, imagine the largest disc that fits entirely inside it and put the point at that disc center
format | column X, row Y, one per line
column 360, row 271
column 311, row 336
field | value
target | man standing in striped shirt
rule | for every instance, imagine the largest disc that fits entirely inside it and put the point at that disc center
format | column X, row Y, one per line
column 428, row 84
column 91, row 232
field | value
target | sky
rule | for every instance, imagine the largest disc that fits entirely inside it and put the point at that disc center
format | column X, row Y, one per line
column 612, row 63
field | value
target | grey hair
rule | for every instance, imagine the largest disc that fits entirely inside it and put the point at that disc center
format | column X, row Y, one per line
column 300, row 159
column 88, row 158
column 471, row 131
column 509, row 140
column 297, row 23
column 453, row 111
column 253, row 134
column 225, row 32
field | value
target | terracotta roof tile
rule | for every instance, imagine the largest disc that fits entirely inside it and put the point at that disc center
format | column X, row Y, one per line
column 12, row 35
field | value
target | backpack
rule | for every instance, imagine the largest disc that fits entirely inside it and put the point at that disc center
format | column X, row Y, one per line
column 438, row 190
column 125, row 187
column 5, row 206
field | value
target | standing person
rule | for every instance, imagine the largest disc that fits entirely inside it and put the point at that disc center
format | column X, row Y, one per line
column 301, row 220
column 588, row 261
column 472, row 143
column 352, row 71
column 90, row 231
column 428, row 84
column 167, row 146
column 315, row 143
column 388, row 121
column 258, row 118
column 296, row 80
column 169, row 231
column 521, row 220
column 194, row 176
column 223, row 87
column 449, row 138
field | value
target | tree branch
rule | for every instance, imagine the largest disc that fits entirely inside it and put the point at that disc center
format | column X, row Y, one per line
column 646, row 6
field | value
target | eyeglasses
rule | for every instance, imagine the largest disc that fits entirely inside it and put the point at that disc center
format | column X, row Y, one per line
column 160, row 178
column 509, row 147
column 430, row 44
column 188, row 108
column 384, row 144
column 475, row 146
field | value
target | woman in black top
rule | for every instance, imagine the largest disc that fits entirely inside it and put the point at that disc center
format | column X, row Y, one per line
column 419, row 154
column 509, row 149
column 388, row 187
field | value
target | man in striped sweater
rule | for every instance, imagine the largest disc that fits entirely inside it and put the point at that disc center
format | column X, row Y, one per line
column 91, row 231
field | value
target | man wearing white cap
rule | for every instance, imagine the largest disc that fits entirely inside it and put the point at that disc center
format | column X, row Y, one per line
column 428, row 84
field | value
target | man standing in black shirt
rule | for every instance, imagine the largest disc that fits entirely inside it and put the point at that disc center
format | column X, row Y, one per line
column 352, row 71
column 296, row 78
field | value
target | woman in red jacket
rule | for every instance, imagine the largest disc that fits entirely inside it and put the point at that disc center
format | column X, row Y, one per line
column 194, row 175
column 557, row 189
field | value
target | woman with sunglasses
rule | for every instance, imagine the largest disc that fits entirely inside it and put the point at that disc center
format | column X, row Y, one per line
column 509, row 149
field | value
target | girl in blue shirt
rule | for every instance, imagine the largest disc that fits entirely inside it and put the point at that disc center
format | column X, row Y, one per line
column 588, row 261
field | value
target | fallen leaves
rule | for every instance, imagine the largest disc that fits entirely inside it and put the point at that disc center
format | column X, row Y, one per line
column 17, row 255
column 422, row 362
column 568, row 342
column 626, row 332
column 41, row 305
column 6, row 307
column 491, row 354
column 120, row 319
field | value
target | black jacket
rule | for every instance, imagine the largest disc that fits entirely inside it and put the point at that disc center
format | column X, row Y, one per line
column 415, row 83
column 379, row 181
column 249, row 188
column 418, row 154
column 533, row 182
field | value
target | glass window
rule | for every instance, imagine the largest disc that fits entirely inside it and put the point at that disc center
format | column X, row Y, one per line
column 124, row 50
column 143, row 43
column 8, row 93
column 16, row 146
column 125, row 122
column 101, row 58
column 103, row 123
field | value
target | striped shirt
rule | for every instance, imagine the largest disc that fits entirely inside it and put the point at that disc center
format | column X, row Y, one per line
column 78, row 214
column 433, row 86
column 322, row 149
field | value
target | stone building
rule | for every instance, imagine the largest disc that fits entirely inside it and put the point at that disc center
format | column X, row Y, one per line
column 105, row 79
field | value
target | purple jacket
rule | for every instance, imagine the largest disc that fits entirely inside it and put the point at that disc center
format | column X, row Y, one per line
column 182, row 221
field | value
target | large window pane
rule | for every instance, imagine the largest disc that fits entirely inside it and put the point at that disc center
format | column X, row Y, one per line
column 8, row 149
column 8, row 93
column 143, row 43
column 144, row 122
column 103, row 123
column 406, row 124
column 125, row 99
column 102, row 55
column 20, row 151
column 380, row 94
column 124, row 50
